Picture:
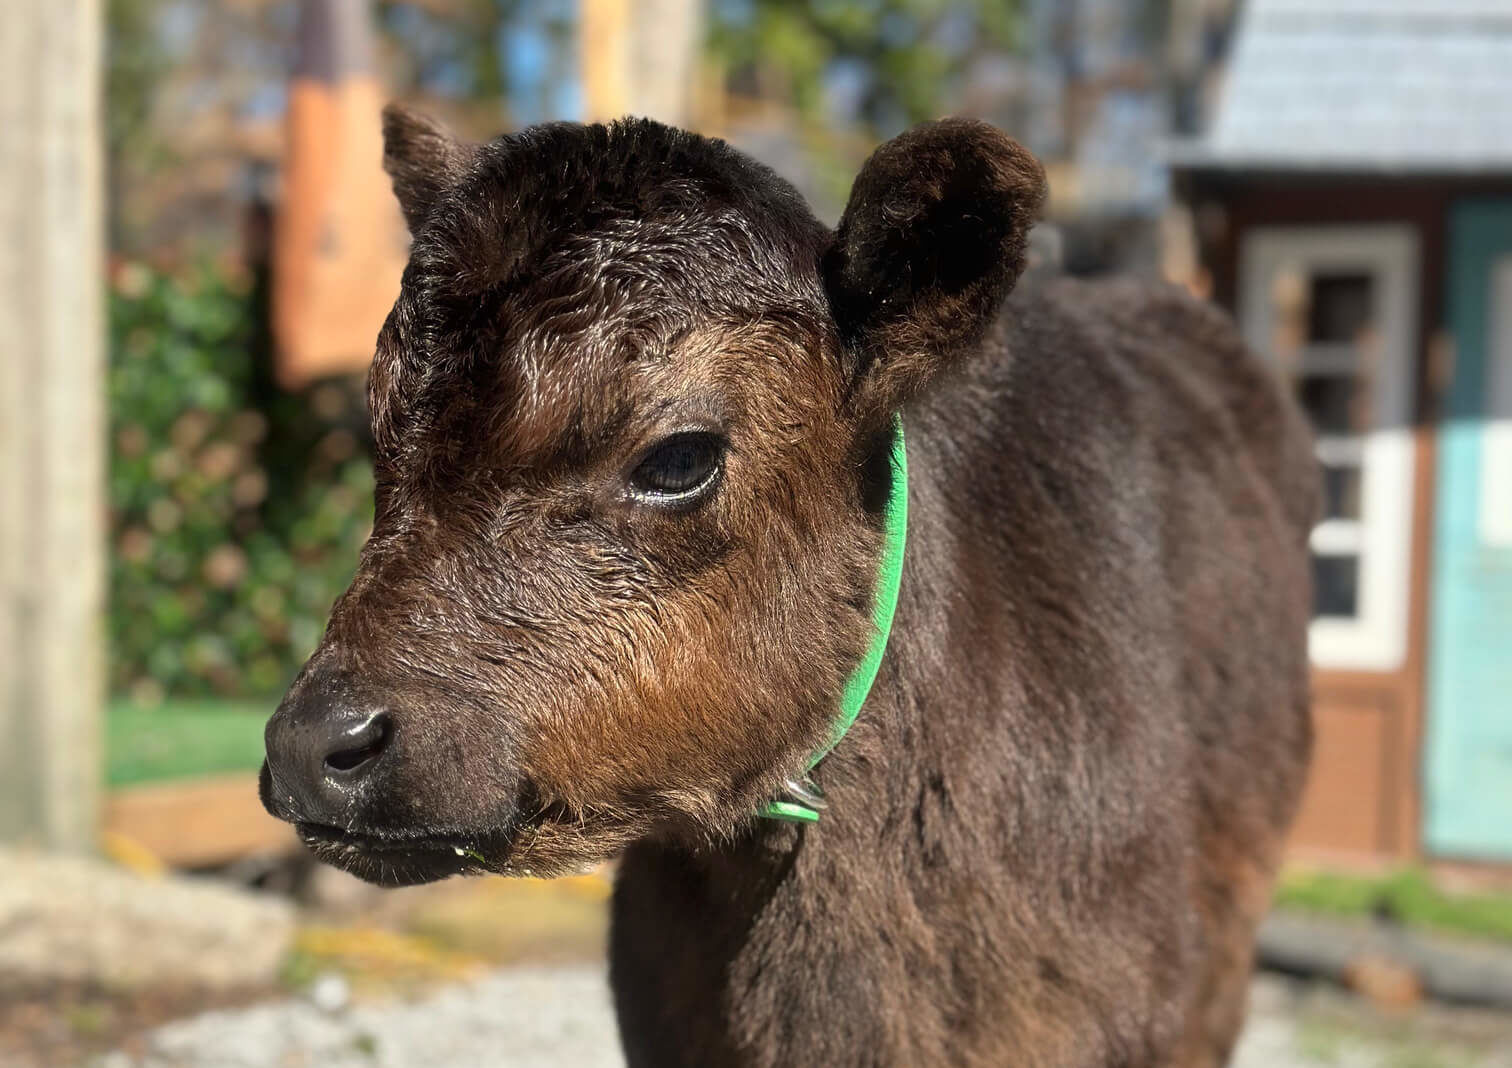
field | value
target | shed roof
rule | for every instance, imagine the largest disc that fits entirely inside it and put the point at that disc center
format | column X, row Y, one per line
column 1411, row 86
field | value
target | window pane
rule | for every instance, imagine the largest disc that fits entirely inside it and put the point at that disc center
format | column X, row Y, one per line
column 1339, row 307
column 1336, row 585
column 1341, row 492
column 1333, row 403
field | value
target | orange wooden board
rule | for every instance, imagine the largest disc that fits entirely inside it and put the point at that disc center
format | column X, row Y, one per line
column 196, row 822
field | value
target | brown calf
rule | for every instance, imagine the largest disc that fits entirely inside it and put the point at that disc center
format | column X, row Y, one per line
column 633, row 412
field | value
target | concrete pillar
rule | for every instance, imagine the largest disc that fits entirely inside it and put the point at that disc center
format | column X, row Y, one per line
column 52, row 422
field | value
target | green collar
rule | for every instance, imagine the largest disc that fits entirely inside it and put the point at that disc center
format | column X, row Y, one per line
column 806, row 798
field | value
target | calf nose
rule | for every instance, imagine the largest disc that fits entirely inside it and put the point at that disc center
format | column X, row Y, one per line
column 352, row 747
column 324, row 745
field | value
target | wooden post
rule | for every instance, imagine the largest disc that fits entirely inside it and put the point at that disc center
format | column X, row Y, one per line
column 604, row 53
column 639, row 57
column 52, row 422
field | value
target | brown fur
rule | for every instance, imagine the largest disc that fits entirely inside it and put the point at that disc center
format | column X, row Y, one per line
column 1053, row 828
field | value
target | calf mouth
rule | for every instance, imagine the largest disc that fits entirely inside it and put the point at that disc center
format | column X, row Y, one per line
column 545, row 845
column 406, row 856
column 395, row 860
column 401, row 856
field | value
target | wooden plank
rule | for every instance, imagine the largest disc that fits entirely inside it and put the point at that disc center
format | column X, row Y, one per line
column 195, row 823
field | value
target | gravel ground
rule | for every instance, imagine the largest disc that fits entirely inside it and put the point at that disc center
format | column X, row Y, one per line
column 529, row 1017
column 520, row 1017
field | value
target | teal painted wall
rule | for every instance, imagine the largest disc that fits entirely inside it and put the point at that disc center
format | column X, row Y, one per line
column 1468, row 810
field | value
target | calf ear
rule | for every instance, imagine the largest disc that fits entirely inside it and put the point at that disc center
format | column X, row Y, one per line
column 930, row 243
column 423, row 158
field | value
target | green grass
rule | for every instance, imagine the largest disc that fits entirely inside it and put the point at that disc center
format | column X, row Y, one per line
column 181, row 739
column 1410, row 897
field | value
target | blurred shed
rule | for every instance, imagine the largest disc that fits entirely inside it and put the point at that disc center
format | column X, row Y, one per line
column 1352, row 202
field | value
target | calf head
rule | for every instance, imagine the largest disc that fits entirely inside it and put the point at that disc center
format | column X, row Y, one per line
column 632, row 413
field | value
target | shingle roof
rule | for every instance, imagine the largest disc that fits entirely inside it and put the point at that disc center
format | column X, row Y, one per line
column 1392, row 85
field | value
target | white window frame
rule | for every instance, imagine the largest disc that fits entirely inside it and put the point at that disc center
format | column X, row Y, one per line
column 1375, row 639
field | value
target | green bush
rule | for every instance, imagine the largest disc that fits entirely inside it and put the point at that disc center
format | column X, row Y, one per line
column 236, row 511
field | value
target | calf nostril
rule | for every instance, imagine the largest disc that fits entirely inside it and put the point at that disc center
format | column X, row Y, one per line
column 363, row 746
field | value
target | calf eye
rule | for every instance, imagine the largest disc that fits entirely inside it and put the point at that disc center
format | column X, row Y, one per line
column 679, row 469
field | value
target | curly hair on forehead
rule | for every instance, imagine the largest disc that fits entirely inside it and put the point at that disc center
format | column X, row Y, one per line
column 500, row 206
column 547, row 263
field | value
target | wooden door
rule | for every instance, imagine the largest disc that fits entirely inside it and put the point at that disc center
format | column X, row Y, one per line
column 1335, row 306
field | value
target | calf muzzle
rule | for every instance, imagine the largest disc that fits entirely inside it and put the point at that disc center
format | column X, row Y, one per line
column 326, row 745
